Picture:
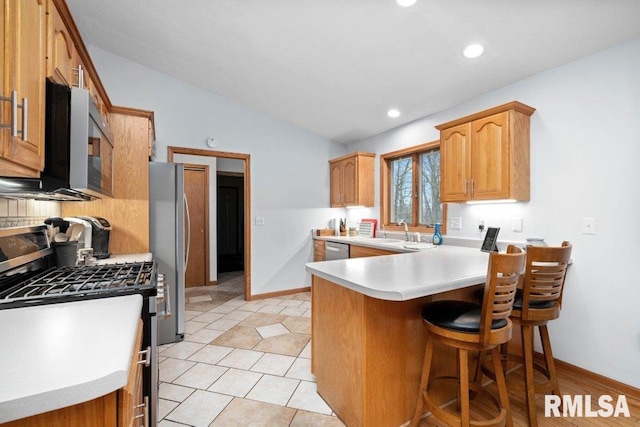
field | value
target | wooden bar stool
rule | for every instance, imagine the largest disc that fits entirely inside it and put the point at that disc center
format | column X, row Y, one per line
column 539, row 301
column 468, row 326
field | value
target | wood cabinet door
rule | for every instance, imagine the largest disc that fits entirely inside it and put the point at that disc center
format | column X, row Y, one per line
column 62, row 59
column 350, row 181
column 318, row 250
column 337, row 179
column 490, row 157
column 24, row 72
column 455, row 156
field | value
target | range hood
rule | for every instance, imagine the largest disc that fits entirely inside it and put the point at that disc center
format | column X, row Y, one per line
column 31, row 188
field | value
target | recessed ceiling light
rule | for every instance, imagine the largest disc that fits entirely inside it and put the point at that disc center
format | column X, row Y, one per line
column 393, row 113
column 406, row 3
column 473, row 50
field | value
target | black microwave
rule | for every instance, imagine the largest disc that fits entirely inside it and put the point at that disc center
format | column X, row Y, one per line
column 78, row 146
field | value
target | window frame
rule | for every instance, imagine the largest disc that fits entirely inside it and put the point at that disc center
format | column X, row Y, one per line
column 385, row 189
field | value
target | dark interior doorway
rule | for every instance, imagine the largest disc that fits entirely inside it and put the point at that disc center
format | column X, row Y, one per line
column 230, row 222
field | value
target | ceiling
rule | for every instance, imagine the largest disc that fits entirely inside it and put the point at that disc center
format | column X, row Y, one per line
column 334, row 67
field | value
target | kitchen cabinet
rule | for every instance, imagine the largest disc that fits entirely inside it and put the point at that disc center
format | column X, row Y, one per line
column 352, row 180
column 318, row 250
column 132, row 405
column 23, row 71
column 63, row 61
column 485, row 156
column 356, row 251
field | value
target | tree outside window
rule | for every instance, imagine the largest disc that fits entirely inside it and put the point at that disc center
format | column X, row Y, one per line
column 411, row 187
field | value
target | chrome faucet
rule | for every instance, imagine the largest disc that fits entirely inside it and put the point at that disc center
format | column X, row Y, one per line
column 406, row 229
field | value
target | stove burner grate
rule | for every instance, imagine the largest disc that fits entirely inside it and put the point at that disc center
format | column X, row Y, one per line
column 96, row 279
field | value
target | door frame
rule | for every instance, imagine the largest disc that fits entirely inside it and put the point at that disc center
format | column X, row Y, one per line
column 246, row 158
column 207, row 264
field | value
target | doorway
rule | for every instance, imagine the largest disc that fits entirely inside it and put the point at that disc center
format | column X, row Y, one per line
column 245, row 195
column 230, row 220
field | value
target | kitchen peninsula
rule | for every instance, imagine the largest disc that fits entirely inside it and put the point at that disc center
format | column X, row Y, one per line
column 367, row 334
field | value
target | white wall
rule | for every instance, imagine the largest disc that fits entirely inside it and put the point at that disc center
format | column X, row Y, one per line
column 280, row 153
column 585, row 162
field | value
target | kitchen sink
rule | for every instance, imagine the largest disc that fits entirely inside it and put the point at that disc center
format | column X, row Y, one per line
column 382, row 240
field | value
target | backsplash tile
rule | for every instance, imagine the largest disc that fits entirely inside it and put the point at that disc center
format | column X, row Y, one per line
column 26, row 212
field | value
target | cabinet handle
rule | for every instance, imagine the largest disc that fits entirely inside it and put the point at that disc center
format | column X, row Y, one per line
column 147, row 357
column 145, row 411
column 14, row 115
column 473, row 187
column 465, row 186
column 80, row 72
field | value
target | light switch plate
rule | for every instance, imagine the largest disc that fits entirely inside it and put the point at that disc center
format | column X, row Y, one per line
column 516, row 224
column 260, row 220
column 588, row 226
column 456, row 223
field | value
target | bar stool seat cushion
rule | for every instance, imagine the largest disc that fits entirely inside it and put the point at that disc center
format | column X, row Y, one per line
column 459, row 316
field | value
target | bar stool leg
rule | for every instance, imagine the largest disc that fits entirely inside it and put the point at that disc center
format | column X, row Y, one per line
column 530, row 391
column 424, row 380
column 548, row 355
column 503, row 394
column 464, row 387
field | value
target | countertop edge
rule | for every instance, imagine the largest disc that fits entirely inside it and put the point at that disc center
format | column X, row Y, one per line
column 52, row 400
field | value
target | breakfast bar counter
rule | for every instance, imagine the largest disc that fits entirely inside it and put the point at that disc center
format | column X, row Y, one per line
column 368, row 340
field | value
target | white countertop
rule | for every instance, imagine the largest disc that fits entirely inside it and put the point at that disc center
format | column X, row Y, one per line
column 57, row 355
column 121, row 258
column 391, row 244
column 408, row 276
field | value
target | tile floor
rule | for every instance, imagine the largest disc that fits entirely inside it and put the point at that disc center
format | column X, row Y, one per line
column 241, row 363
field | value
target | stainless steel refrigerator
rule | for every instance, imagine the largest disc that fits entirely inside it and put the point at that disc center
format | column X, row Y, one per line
column 168, row 216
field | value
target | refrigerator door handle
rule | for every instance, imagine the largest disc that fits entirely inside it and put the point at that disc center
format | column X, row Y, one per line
column 186, row 206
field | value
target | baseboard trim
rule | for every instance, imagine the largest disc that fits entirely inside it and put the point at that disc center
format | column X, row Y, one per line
column 626, row 389
column 279, row 293
column 213, row 282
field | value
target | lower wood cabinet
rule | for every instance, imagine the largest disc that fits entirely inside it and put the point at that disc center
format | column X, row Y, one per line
column 122, row 408
column 318, row 250
column 364, row 251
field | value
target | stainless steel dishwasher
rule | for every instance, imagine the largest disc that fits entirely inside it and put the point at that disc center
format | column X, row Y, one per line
column 335, row 250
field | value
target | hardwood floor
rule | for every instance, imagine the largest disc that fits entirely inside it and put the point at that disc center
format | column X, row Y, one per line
column 570, row 384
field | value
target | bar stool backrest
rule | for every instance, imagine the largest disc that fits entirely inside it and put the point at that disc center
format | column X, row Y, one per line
column 545, row 275
column 503, row 274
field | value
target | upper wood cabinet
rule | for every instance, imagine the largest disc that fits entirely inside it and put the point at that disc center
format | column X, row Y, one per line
column 352, row 180
column 63, row 61
column 485, row 156
column 23, row 26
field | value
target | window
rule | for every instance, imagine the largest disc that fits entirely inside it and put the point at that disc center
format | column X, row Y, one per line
column 410, row 188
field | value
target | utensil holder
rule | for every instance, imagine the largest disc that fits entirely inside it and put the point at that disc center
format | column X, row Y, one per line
column 66, row 253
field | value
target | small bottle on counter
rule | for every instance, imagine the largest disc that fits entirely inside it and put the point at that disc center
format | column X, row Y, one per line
column 437, row 237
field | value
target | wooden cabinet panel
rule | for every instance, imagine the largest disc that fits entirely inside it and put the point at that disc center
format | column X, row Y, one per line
column 62, row 58
column 23, row 63
column 454, row 163
column 352, row 180
column 485, row 156
column 131, row 409
column 356, row 251
column 318, row 250
column 128, row 210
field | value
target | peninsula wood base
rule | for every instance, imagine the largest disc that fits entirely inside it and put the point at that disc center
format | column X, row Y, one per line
column 367, row 353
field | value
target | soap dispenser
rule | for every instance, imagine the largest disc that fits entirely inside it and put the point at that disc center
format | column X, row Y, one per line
column 437, row 237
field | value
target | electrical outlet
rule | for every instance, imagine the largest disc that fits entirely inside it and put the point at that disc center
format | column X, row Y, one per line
column 588, row 226
column 260, row 220
column 456, row 223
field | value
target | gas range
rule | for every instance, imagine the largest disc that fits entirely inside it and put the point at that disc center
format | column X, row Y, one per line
column 28, row 278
